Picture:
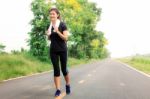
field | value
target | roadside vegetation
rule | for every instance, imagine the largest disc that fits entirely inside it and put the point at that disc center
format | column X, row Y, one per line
column 140, row 62
column 19, row 64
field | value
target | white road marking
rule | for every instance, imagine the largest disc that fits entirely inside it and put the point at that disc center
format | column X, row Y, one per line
column 134, row 69
column 81, row 81
column 45, row 87
column 122, row 84
column 89, row 75
column 94, row 71
column 27, row 76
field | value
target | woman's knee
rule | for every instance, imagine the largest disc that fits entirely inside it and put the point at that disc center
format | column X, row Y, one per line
column 56, row 73
column 65, row 72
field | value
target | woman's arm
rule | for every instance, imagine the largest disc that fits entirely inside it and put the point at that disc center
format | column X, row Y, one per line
column 63, row 35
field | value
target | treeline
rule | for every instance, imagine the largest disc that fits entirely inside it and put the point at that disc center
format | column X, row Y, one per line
column 81, row 18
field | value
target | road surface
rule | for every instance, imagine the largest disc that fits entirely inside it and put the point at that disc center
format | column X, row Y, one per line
column 107, row 79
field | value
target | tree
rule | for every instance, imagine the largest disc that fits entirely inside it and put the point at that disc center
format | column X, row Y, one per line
column 37, row 41
column 2, row 47
column 81, row 18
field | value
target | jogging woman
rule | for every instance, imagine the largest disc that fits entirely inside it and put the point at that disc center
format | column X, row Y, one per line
column 58, row 35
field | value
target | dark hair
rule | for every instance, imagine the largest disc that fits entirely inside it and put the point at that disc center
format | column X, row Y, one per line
column 57, row 11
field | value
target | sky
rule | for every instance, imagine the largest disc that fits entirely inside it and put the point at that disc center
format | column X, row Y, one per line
column 14, row 23
column 125, row 23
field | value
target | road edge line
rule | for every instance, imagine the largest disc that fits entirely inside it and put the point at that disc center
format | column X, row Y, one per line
column 147, row 75
column 20, row 77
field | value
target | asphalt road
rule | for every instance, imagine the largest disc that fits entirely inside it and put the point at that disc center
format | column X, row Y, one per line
column 105, row 79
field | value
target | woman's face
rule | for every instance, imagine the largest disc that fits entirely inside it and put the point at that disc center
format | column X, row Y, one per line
column 53, row 16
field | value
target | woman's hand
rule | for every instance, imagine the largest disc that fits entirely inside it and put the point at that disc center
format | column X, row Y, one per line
column 56, row 29
column 48, row 33
column 63, row 35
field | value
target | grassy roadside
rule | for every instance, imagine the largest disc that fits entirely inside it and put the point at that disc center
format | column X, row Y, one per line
column 141, row 63
column 15, row 65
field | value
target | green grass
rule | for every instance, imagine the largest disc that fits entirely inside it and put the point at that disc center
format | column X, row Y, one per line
column 141, row 63
column 22, row 64
column 15, row 65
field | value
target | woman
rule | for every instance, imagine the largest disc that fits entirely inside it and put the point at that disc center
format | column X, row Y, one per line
column 58, row 34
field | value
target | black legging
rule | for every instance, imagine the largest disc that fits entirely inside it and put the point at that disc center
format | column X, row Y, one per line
column 55, row 56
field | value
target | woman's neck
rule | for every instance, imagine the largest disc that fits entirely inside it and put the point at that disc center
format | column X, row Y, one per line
column 54, row 21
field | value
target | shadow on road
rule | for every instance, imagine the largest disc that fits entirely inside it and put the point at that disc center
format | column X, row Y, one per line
column 61, row 96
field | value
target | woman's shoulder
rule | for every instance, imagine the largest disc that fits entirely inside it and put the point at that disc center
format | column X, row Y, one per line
column 62, row 23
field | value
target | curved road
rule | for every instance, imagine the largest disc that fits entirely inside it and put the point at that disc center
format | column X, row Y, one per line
column 105, row 79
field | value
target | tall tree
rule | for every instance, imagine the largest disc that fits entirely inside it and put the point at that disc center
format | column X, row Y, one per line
column 81, row 18
column 37, row 41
